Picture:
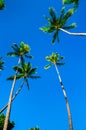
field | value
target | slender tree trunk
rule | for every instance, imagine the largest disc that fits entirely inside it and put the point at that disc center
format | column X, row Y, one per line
column 10, row 100
column 15, row 95
column 66, row 99
column 74, row 34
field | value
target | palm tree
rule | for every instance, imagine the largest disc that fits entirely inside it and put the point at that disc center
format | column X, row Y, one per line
column 56, row 24
column 19, row 51
column 1, row 64
column 55, row 59
column 25, row 71
column 2, row 4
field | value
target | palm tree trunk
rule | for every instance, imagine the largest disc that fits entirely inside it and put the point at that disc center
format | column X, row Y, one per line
column 10, row 100
column 66, row 99
column 17, row 92
column 74, row 34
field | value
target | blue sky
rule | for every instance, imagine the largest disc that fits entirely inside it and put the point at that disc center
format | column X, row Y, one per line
column 44, row 104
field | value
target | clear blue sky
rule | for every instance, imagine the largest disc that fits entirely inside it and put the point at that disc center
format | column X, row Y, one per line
column 44, row 104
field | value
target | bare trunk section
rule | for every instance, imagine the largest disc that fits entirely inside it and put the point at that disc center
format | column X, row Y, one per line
column 66, row 99
column 10, row 100
column 15, row 95
column 74, row 34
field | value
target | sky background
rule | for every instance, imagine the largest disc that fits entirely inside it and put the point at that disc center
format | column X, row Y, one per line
column 44, row 104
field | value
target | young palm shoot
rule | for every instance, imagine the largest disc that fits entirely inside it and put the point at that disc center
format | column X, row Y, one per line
column 20, row 52
column 56, row 24
column 55, row 59
column 25, row 71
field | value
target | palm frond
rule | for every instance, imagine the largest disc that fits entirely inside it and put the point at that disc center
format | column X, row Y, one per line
column 32, row 71
column 55, row 36
column 67, row 15
column 70, row 1
column 60, row 64
column 52, row 14
column 47, row 66
column 15, row 47
column 47, row 29
column 29, row 56
column 17, row 68
column 73, row 25
column 2, row 4
column 1, row 64
column 17, row 77
column 48, row 19
column 13, row 54
column 35, row 77
column 61, row 14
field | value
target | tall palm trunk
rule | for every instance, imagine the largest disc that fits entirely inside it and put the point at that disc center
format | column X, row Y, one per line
column 15, row 95
column 74, row 34
column 10, row 100
column 66, row 99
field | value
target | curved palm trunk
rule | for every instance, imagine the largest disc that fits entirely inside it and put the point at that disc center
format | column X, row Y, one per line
column 74, row 34
column 10, row 100
column 66, row 99
column 15, row 95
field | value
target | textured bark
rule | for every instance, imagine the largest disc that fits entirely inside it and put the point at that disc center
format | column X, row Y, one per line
column 15, row 95
column 74, row 34
column 66, row 99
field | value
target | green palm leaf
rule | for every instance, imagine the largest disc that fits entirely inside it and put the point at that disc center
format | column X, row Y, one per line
column 52, row 14
column 47, row 29
column 55, row 36
column 17, row 77
column 60, row 64
column 70, row 1
column 48, row 66
column 73, row 25
column 2, row 4
column 35, row 77
column 18, row 68
column 13, row 54
column 1, row 64
column 67, row 15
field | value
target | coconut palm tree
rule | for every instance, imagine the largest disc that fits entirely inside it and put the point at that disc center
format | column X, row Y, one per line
column 20, row 52
column 2, row 4
column 25, row 71
column 1, row 64
column 56, row 24
column 55, row 59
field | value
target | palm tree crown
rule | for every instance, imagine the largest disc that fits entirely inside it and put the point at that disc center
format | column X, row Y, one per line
column 56, row 23
column 25, row 71
column 54, row 58
column 20, row 51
